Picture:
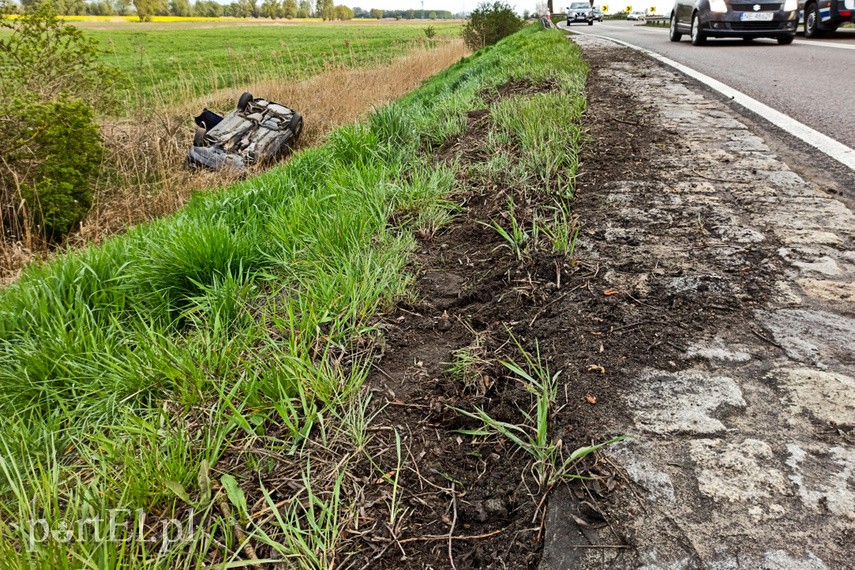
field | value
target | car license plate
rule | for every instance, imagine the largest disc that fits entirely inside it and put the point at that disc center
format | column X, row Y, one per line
column 756, row 16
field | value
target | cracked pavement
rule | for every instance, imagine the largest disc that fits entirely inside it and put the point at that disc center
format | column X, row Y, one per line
column 742, row 451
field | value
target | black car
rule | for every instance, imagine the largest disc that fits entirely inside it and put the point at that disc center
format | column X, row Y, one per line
column 703, row 19
column 580, row 12
column 257, row 132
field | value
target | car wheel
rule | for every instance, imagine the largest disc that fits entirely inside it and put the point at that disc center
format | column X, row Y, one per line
column 673, row 34
column 590, row 22
column 244, row 100
column 698, row 37
column 785, row 40
column 199, row 137
column 296, row 125
column 812, row 21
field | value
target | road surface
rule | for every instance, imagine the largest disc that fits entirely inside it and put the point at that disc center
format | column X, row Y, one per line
column 722, row 296
column 809, row 80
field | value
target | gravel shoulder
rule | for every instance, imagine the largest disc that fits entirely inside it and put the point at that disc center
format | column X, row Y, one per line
column 730, row 337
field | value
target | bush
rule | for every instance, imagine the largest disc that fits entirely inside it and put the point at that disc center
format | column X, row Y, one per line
column 489, row 23
column 54, row 162
column 49, row 142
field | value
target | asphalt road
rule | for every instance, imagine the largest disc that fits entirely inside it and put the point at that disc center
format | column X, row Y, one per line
column 810, row 80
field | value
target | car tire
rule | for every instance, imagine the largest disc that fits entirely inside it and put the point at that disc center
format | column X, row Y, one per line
column 698, row 36
column 244, row 100
column 673, row 34
column 785, row 40
column 296, row 125
column 812, row 21
column 199, row 137
column 590, row 22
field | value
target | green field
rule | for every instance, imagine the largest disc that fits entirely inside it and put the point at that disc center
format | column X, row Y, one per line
column 170, row 61
column 191, row 362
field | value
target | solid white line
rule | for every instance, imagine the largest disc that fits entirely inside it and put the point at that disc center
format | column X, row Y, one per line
column 823, row 44
column 836, row 150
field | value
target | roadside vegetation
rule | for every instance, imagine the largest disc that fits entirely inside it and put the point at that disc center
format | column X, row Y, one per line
column 131, row 167
column 200, row 380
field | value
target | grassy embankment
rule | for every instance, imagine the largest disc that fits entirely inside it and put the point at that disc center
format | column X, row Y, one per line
column 190, row 362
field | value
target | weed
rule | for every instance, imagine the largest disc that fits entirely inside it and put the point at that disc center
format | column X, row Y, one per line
column 468, row 365
column 532, row 434
column 561, row 229
column 515, row 237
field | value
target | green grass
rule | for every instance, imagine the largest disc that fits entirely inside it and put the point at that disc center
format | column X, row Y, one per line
column 532, row 435
column 196, row 60
column 184, row 363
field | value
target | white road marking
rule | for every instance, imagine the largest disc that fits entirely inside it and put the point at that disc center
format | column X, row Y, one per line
column 823, row 44
column 836, row 150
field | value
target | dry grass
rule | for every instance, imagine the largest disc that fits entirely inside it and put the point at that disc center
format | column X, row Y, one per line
column 148, row 150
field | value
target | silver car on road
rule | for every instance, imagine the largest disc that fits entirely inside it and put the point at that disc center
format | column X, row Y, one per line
column 580, row 12
column 746, row 19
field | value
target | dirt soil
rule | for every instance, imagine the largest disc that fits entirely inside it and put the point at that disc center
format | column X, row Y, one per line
column 472, row 292
column 703, row 315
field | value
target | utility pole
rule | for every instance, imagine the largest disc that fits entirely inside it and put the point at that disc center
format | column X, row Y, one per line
column 423, row 9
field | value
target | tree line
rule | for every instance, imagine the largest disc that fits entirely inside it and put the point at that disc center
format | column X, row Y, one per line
column 145, row 9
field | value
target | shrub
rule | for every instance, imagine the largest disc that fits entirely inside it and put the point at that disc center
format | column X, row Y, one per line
column 50, row 145
column 55, row 159
column 489, row 23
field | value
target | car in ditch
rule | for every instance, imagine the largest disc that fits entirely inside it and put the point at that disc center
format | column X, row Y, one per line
column 745, row 19
column 580, row 12
column 258, row 131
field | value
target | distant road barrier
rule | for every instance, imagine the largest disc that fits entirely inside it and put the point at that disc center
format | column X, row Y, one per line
column 658, row 21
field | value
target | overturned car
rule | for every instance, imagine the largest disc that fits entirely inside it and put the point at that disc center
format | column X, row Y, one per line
column 257, row 132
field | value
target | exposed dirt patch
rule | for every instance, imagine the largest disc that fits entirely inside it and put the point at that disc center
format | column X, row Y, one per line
column 592, row 318
column 523, row 86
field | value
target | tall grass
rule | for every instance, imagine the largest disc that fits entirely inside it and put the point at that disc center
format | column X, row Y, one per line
column 174, row 369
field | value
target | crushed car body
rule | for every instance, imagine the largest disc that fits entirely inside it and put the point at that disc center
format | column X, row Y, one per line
column 257, row 132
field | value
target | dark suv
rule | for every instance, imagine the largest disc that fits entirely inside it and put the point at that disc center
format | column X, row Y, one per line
column 580, row 12
column 747, row 19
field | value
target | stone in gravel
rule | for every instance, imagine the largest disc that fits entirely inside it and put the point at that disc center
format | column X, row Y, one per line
column 717, row 350
column 823, row 489
column 743, row 471
column 827, row 396
column 682, row 402
column 811, row 337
